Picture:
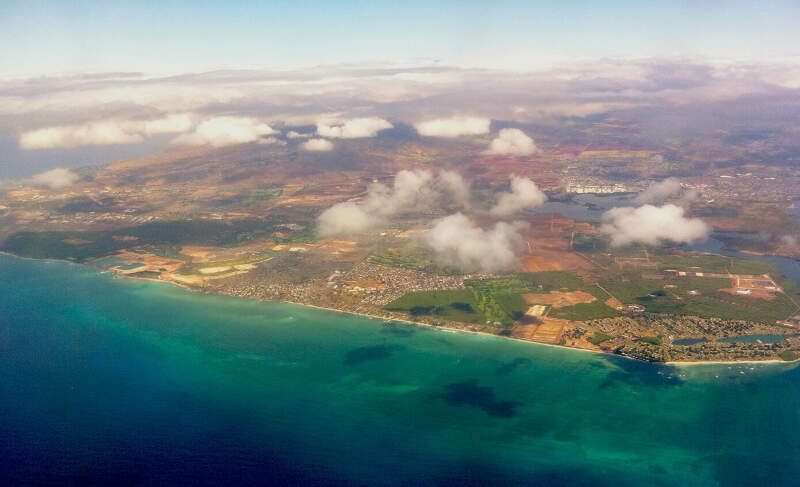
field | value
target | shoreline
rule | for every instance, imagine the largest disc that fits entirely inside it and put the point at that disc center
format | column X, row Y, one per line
column 732, row 362
column 413, row 323
column 445, row 328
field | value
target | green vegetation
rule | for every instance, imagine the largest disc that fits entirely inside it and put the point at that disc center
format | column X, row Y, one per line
column 717, row 264
column 672, row 296
column 591, row 243
column 652, row 340
column 513, row 304
column 599, row 337
column 504, row 286
column 502, row 308
column 756, row 267
column 166, row 234
column 553, row 281
column 584, row 311
column 789, row 355
column 500, row 300
column 458, row 305
column 416, row 260
column 251, row 196
column 467, row 305
column 491, row 310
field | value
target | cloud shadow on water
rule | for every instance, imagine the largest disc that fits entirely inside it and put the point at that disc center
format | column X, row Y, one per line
column 469, row 393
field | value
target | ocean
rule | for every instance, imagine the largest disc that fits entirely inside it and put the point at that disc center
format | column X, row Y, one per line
column 115, row 381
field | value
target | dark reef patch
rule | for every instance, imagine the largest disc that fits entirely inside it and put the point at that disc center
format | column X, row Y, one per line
column 374, row 352
column 469, row 393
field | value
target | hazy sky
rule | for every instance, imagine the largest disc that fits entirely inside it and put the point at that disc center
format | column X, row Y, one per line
column 49, row 37
column 85, row 82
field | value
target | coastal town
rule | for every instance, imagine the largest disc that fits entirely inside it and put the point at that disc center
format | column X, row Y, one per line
column 252, row 231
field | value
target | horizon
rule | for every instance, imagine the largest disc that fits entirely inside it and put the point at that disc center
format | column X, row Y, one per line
column 96, row 73
column 182, row 37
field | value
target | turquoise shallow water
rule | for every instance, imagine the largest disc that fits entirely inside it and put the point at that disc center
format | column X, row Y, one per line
column 115, row 381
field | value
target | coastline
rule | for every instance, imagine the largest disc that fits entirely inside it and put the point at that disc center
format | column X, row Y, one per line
column 733, row 362
column 448, row 329
column 414, row 323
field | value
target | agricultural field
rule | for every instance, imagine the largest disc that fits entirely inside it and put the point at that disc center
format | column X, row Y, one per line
column 699, row 296
column 565, row 295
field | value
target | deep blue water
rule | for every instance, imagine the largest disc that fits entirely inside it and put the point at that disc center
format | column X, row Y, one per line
column 113, row 381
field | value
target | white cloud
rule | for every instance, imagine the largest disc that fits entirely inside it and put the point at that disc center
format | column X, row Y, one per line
column 453, row 127
column 352, row 128
column 790, row 241
column 317, row 145
column 222, row 131
column 512, row 141
column 175, row 123
column 104, row 132
column 652, row 225
column 456, row 240
column 100, row 133
column 55, row 178
column 411, row 191
column 346, row 219
column 271, row 141
column 297, row 135
column 459, row 190
column 524, row 194
column 658, row 192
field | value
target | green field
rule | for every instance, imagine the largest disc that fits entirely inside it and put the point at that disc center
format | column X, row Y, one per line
column 500, row 300
column 410, row 260
column 467, row 305
column 457, row 305
column 584, row 311
column 544, row 282
column 599, row 337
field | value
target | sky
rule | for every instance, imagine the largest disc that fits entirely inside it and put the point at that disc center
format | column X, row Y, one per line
column 88, row 82
column 171, row 37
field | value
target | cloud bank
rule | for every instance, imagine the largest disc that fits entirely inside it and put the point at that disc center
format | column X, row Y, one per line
column 352, row 129
column 222, row 131
column 524, row 194
column 411, row 191
column 512, row 141
column 453, row 127
column 456, row 240
column 652, row 225
column 658, row 192
column 317, row 145
column 105, row 132
column 55, row 178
